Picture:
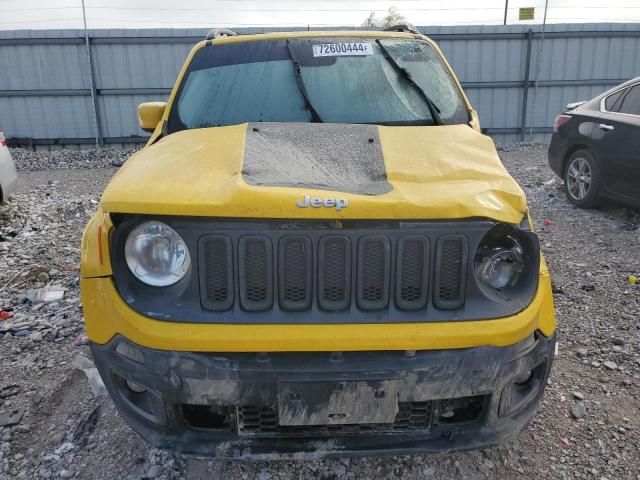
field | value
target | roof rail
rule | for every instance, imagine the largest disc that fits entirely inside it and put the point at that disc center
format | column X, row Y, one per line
column 402, row 27
column 220, row 32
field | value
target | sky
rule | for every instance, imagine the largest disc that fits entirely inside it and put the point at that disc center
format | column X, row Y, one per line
column 51, row 14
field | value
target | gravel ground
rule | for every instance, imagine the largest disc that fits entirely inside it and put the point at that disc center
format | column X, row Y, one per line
column 56, row 428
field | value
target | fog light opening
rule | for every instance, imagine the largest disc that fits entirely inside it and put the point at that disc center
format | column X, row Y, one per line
column 135, row 387
column 523, row 378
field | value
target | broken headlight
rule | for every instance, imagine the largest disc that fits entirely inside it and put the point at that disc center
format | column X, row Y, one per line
column 505, row 259
column 156, row 254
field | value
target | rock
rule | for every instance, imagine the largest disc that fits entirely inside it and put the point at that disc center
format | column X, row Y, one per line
column 578, row 410
column 66, row 332
column 11, row 418
column 578, row 395
column 582, row 352
column 93, row 376
column 339, row 470
column 42, row 277
column 610, row 365
column 64, row 473
column 154, row 471
column 35, row 336
column 64, row 448
column 618, row 341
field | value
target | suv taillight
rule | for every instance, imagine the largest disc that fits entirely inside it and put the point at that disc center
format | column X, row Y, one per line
column 559, row 121
column 3, row 141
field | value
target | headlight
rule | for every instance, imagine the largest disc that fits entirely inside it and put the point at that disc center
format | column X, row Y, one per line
column 502, row 257
column 156, row 254
column 500, row 266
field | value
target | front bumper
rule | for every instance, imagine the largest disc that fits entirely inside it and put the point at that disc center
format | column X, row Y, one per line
column 227, row 405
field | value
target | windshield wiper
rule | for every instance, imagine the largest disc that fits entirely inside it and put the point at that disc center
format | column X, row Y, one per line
column 296, row 67
column 433, row 109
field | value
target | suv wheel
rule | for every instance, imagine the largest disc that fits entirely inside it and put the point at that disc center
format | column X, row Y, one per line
column 582, row 179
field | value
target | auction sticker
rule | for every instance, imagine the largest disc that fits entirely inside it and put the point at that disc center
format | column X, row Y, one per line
column 342, row 49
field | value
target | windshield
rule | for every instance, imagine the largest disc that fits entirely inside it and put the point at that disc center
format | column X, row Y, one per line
column 344, row 80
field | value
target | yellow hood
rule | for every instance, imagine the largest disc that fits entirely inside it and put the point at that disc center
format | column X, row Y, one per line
column 434, row 172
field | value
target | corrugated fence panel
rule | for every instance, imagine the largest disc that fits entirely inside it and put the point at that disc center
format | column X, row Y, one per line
column 46, row 97
column 138, row 65
column 47, row 117
column 43, row 67
column 119, row 116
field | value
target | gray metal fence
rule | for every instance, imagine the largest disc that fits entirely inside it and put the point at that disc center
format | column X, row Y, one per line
column 517, row 77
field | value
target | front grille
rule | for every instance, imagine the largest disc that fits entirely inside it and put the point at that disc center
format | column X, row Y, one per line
column 297, row 272
column 294, row 272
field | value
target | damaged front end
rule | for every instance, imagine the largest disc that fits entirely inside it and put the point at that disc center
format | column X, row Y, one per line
column 309, row 405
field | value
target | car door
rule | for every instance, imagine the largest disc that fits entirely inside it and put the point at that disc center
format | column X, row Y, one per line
column 617, row 136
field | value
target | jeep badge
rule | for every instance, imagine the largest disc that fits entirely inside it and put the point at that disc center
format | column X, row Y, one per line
column 315, row 202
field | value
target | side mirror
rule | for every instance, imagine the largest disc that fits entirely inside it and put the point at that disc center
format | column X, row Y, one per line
column 475, row 120
column 150, row 114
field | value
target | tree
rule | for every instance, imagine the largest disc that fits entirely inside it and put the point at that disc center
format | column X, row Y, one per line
column 391, row 18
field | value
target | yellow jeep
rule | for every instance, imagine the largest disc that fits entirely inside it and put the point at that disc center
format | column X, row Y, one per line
column 317, row 253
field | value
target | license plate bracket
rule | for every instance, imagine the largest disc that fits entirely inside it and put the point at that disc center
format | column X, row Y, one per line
column 337, row 403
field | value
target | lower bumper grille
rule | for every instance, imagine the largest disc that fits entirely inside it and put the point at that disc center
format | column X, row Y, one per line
column 420, row 417
column 255, row 420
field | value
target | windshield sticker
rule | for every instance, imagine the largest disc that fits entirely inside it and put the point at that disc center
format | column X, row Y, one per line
column 342, row 49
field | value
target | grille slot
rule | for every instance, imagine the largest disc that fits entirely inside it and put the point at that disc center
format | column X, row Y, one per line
column 255, row 256
column 412, row 272
column 413, row 416
column 334, row 272
column 256, row 419
column 374, row 255
column 295, row 272
column 451, row 272
column 216, row 276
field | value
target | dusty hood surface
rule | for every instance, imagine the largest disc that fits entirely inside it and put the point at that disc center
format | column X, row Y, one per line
column 263, row 170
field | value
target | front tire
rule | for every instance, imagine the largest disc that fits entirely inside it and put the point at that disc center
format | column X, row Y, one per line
column 582, row 179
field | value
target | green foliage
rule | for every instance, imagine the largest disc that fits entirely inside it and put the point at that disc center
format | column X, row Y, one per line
column 391, row 18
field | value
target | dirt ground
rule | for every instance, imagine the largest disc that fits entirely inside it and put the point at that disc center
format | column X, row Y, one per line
column 64, row 431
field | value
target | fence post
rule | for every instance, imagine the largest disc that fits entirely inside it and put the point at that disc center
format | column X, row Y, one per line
column 525, row 86
column 92, row 79
column 94, row 94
